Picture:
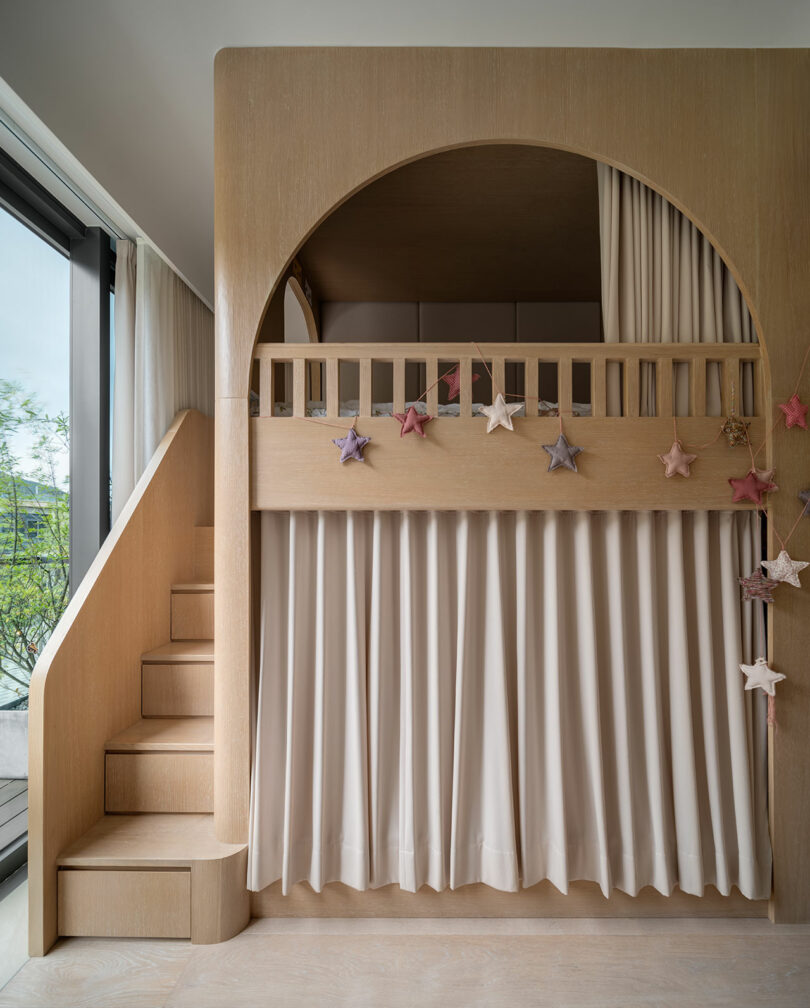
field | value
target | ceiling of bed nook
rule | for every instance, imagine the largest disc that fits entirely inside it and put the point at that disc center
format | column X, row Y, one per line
column 494, row 242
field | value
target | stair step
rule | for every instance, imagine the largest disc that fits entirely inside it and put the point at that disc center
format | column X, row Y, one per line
column 146, row 841
column 189, row 734
column 181, row 651
column 193, row 611
column 152, row 876
column 204, row 553
column 161, row 765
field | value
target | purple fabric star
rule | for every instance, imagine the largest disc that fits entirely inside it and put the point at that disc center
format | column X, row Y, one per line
column 351, row 446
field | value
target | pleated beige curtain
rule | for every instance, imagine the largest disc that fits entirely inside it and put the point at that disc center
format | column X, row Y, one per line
column 663, row 282
column 451, row 698
column 164, row 360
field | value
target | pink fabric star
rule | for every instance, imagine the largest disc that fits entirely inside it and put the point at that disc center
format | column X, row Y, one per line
column 412, row 421
column 453, row 381
column 757, row 586
column 750, row 488
column 795, row 412
column 677, row 460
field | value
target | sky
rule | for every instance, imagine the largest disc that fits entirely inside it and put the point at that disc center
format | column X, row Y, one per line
column 34, row 320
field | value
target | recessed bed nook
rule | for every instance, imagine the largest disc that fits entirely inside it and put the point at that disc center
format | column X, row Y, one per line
column 505, row 649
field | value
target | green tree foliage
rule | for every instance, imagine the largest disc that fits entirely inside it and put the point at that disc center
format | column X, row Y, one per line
column 34, row 532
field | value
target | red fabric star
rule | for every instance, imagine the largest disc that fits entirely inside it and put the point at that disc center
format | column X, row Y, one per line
column 750, row 488
column 795, row 412
column 453, row 381
column 412, row 421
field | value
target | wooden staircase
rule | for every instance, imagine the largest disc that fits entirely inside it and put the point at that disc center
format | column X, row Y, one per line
column 152, row 867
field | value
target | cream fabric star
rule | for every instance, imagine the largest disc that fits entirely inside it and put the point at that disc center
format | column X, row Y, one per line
column 500, row 413
column 677, row 460
column 785, row 569
column 760, row 676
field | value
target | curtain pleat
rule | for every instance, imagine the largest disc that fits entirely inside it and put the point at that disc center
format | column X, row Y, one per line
column 450, row 698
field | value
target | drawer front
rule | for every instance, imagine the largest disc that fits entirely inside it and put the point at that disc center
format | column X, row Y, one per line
column 124, row 904
column 160, row 782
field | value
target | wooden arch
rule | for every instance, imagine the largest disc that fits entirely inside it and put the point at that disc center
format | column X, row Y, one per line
column 722, row 134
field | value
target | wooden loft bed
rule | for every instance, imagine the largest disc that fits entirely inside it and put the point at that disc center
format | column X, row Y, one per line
column 293, row 462
column 298, row 131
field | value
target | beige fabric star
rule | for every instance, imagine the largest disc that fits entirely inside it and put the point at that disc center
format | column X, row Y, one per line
column 785, row 569
column 760, row 676
column 766, row 476
column 500, row 413
column 677, row 460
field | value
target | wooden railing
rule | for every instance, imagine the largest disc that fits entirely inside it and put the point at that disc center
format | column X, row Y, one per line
column 275, row 362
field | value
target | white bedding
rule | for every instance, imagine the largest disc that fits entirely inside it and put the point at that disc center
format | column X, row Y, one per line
column 350, row 407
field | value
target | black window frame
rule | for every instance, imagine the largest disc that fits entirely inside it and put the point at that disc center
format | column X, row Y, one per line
column 92, row 277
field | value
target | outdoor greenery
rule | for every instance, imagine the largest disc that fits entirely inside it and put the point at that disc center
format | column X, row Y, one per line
column 34, row 532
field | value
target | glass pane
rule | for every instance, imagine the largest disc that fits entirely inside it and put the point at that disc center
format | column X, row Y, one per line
column 34, row 450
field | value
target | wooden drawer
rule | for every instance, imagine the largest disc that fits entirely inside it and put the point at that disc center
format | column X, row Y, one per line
column 104, row 903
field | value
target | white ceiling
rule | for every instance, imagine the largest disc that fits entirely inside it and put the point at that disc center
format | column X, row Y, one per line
column 126, row 85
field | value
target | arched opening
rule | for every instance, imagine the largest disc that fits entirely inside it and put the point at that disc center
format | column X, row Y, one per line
column 505, row 242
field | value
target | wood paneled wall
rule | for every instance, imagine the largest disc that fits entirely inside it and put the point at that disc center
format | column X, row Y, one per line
column 723, row 134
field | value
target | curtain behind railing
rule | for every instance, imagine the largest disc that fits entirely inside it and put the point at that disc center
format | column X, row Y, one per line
column 164, row 360
column 664, row 282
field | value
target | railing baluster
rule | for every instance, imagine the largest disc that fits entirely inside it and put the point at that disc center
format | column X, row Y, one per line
column 299, row 387
column 732, row 390
column 431, row 379
column 266, row 386
column 663, row 387
column 598, row 387
column 697, row 387
column 631, row 386
column 499, row 377
column 465, row 387
column 565, row 386
column 530, row 385
column 365, row 387
column 332, row 388
column 315, row 392
column 399, row 386
column 756, row 372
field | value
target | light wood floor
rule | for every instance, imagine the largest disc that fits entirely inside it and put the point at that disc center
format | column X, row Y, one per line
column 449, row 963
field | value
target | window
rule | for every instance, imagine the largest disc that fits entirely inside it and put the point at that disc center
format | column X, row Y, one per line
column 54, row 416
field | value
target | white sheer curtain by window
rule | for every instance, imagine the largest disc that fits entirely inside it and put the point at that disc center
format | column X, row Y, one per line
column 450, row 698
column 663, row 282
column 164, row 360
